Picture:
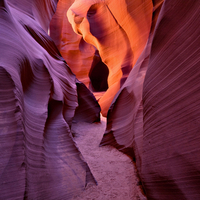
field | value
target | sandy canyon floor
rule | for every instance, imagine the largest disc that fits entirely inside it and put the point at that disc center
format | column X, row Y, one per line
column 114, row 171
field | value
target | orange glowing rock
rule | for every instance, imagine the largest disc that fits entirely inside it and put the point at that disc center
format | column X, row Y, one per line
column 118, row 30
column 154, row 118
column 77, row 53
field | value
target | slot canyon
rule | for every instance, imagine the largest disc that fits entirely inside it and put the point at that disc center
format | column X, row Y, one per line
column 99, row 99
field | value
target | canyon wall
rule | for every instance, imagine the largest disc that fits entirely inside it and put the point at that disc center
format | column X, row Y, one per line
column 154, row 117
column 39, row 96
column 112, row 32
column 141, row 60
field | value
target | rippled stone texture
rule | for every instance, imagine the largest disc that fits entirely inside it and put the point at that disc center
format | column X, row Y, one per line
column 154, row 118
column 159, row 126
column 38, row 100
column 77, row 53
column 125, row 116
column 118, row 30
column 171, row 98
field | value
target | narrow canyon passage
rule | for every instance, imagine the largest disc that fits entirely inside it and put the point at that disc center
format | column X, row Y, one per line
column 114, row 171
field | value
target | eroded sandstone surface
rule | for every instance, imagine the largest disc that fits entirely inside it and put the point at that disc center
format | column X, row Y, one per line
column 139, row 58
column 38, row 101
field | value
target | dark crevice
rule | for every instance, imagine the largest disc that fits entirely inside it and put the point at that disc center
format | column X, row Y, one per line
column 98, row 75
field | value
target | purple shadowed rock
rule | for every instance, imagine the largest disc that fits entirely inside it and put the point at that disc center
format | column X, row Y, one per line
column 162, row 133
column 38, row 100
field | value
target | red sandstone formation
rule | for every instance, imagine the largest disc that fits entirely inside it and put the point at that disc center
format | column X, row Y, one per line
column 38, row 100
column 161, row 132
column 117, row 29
column 171, row 98
column 127, row 106
column 154, row 118
column 77, row 53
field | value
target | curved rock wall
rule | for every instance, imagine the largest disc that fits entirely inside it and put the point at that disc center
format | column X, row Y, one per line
column 38, row 100
column 171, row 98
column 118, row 30
column 154, row 117
column 127, row 106
column 77, row 53
column 156, row 123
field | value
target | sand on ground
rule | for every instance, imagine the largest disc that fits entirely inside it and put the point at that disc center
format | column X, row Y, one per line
column 113, row 170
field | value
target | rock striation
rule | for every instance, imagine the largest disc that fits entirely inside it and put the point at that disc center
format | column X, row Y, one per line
column 170, row 162
column 142, row 54
column 127, row 106
column 154, row 117
column 38, row 101
column 76, row 52
column 116, row 31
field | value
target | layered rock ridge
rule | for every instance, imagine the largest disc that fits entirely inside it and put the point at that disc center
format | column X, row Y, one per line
column 38, row 101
